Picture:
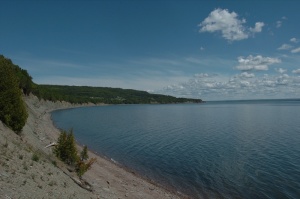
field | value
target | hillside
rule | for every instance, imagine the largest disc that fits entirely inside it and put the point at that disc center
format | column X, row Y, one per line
column 85, row 94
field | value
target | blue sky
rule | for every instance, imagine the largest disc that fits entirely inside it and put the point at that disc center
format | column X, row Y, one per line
column 213, row 50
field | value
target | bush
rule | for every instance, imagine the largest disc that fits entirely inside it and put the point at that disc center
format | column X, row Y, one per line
column 82, row 166
column 35, row 157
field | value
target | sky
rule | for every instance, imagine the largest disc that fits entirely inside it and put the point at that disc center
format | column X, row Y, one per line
column 212, row 50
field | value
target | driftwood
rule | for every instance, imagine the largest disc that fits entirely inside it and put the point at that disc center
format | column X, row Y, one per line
column 83, row 184
column 50, row 145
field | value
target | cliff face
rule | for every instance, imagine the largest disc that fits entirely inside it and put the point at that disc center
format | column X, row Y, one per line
column 27, row 168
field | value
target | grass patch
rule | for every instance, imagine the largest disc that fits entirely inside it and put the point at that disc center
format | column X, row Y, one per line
column 35, row 157
column 54, row 163
column 6, row 144
column 21, row 157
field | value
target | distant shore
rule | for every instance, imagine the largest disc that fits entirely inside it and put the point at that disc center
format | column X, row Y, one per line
column 108, row 179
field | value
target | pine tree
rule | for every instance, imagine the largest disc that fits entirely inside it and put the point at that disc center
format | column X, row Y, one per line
column 66, row 151
column 84, row 154
column 66, row 148
column 59, row 149
column 71, row 149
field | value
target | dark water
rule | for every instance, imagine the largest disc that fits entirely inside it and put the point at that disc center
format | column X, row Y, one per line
column 242, row 149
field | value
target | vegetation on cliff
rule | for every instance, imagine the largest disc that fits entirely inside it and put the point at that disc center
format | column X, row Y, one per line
column 13, row 111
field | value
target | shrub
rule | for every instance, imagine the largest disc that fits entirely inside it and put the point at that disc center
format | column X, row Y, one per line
column 35, row 157
column 82, row 166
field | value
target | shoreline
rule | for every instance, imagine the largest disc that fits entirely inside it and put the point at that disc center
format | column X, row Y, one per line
column 109, row 179
column 165, row 187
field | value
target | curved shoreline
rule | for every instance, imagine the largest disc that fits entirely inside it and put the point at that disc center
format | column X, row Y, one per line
column 109, row 180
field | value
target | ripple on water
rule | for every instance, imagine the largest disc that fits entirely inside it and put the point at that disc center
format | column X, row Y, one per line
column 219, row 150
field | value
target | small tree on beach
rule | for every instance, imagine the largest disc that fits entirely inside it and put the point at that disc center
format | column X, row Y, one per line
column 84, row 154
column 83, row 166
column 66, row 151
column 66, row 148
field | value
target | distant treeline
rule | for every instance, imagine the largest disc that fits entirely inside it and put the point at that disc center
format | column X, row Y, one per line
column 85, row 94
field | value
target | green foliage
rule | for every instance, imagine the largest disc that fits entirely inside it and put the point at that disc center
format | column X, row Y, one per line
column 82, row 166
column 85, row 94
column 84, row 154
column 66, row 148
column 13, row 111
column 23, row 78
column 66, row 151
column 35, row 157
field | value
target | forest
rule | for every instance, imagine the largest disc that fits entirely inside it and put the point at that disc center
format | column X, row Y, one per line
column 85, row 94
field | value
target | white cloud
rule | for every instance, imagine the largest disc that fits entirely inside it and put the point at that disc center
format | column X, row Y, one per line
column 228, row 24
column 199, row 75
column 297, row 71
column 296, row 50
column 281, row 70
column 285, row 47
column 202, row 48
column 294, row 40
column 258, row 27
column 278, row 24
column 246, row 75
column 256, row 63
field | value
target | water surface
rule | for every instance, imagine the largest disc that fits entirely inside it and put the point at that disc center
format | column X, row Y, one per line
column 240, row 149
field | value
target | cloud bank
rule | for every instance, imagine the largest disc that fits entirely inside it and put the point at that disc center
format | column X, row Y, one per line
column 296, row 50
column 241, row 86
column 285, row 47
column 256, row 63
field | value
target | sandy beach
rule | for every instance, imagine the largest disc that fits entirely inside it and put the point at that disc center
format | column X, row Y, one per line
column 22, row 176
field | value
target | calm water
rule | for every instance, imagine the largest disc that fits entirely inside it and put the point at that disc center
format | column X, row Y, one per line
column 242, row 149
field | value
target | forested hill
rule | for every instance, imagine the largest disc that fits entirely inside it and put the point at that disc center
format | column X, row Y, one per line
column 84, row 94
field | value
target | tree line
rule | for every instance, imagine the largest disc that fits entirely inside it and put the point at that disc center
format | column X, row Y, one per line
column 85, row 94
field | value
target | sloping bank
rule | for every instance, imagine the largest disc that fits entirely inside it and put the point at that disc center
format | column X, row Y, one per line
column 42, row 178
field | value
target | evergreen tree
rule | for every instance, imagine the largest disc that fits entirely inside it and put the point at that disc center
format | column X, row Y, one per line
column 59, row 149
column 84, row 154
column 66, row 151
column 71, row 149
column 66, row 148
column 13, row 111
column 82, row 167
